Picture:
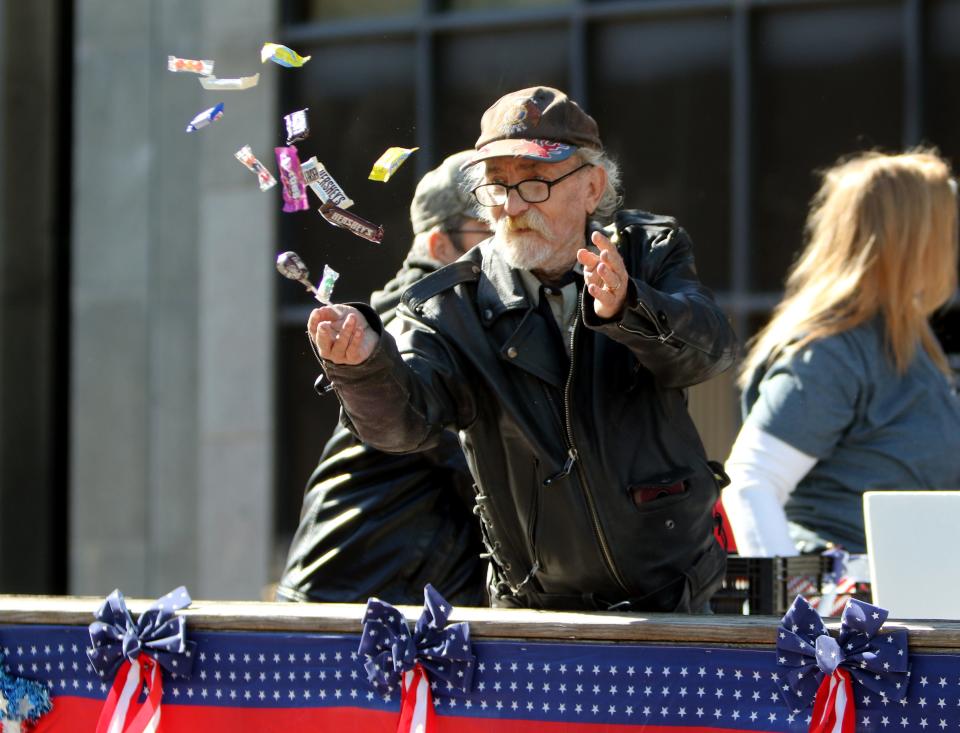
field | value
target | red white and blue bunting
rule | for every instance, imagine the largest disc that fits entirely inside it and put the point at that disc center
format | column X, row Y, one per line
column 434, row 653
column 822, row 670
column 134, row 656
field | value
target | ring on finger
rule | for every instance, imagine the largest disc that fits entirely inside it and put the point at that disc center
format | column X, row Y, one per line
column 609, row 288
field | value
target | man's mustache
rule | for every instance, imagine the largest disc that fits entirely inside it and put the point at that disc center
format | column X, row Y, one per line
column 532, row 220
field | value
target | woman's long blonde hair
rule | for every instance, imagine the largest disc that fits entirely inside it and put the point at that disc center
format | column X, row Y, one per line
column 881, row 239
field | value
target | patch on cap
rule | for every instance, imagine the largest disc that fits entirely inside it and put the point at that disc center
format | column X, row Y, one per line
column 524, row 115
column 548, row 151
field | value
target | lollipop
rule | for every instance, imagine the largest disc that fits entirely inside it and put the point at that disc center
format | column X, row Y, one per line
column 291, row 266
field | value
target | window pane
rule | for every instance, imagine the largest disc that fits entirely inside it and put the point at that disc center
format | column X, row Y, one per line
column 319, row 10
column 355, row 114
column 361, row 101
column 943, row 79
column 828, row 83
column 474, row 71
column 943, row 123
column 487, row 4
column 665, row 116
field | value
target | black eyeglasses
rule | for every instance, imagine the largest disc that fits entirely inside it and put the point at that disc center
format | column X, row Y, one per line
column 532, row 190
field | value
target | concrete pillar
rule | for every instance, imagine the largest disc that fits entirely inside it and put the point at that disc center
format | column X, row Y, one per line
column 171, row 378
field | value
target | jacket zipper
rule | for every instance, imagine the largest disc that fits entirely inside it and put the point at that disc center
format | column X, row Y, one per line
column 572, row 456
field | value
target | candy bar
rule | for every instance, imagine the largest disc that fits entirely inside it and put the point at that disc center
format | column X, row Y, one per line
column 281, row 55
column 291, row 178
column 197, row 67
column 264, row 177
column 205, row 118
column 297, row 126
column 388, row 163
column 212, row 83
column 350, row 221
column 322, row 183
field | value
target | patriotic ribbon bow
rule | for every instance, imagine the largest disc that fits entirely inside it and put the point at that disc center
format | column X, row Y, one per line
column 395, row 657
column 21, row 701
column 820, row 669
column 134, row 655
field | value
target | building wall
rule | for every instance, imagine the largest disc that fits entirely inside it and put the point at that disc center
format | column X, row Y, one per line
column 171, row 415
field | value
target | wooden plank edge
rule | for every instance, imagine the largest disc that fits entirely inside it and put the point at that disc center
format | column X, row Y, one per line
column 485, row 623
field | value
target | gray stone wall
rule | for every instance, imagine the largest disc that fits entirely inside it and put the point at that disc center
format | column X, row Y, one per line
column 171, row 380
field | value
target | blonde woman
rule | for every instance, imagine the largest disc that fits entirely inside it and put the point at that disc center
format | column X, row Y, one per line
column 846, row 389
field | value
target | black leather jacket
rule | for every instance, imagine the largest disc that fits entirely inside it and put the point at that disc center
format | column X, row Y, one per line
column 380, row 524
column 563, row 450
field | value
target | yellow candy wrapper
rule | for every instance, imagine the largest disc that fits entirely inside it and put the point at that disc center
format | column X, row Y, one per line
column 281, row 55
column 388, row 163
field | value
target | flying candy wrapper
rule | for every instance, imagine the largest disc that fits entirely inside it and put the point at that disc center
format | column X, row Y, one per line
column 281, row 55
column 291, row 178
column 205, row 118
column 351, row 222
column 388, row 163
column 197, row 67
column 325, row 288
column 322, row 183
column 297, row 126
column 264, row 177
column 291, row 266
column 212, row 83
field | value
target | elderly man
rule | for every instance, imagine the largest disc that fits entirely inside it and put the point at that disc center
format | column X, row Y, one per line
column 562, row 364
column 376, row 524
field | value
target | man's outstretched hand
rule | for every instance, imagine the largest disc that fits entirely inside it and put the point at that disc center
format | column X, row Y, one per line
column 341, row 334
column 605, row 275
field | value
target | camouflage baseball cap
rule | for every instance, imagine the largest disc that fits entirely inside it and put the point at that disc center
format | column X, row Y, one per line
column 442, row 195
column 539, row 123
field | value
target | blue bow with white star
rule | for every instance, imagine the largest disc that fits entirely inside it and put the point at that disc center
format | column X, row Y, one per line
column 390, row 649
column 159, row 633
column 877, row 661
column 21, row 699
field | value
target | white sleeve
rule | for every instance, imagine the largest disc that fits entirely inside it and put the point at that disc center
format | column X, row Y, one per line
column 763, row 471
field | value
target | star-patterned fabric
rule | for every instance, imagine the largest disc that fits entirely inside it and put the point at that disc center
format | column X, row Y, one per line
column 389, row 648
column 245, row 679
column 877, row 661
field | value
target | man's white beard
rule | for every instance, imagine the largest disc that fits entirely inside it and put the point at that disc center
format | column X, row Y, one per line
column 535, row 250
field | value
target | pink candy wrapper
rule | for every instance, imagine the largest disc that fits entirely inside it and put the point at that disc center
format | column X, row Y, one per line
column 291, row 177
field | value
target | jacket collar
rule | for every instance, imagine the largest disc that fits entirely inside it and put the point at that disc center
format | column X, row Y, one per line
column 500, row 288
column 525, row 341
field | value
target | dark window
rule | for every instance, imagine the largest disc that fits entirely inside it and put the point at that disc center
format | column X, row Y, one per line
column 492, row 4
column 660, row 92
column 829, row 82
column 943, row 123
column 324, row 10
column 475, row 70
column 361, row 99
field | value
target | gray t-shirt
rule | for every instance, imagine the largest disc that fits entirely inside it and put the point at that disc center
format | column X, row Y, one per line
column 841, row 401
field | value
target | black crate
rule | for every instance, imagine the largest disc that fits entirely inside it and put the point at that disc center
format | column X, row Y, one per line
column 768, row 585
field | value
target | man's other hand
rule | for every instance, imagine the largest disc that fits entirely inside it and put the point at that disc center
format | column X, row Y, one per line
column 605, row 275
column 341, row 334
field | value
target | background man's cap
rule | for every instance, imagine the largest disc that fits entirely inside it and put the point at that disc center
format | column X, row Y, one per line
column 539, row 123
column 442, row 195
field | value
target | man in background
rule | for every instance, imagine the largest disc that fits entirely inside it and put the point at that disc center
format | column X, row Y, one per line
column 379, row 524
